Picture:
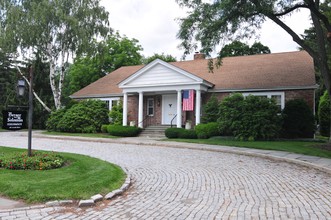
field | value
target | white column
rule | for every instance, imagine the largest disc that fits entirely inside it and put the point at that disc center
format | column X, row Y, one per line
column 125, row 109
column 197, row 107
column 140, row 110
column 179, row 109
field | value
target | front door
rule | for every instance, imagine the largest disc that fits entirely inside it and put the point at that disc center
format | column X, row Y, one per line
column 169, row 108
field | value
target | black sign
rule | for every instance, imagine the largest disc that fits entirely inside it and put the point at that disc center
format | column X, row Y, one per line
column 14, row 120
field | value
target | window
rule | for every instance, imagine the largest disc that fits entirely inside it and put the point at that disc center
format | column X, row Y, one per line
column 111, row 102
column 279, row 97
column 150, row 106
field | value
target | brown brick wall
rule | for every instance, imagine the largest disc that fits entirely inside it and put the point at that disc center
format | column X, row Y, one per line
column 133, row 109
column 307, row 95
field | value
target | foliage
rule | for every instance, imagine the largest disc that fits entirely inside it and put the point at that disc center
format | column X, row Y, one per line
column 57, row 29
column 83, row 176
column 298, row 119
column 250, row 118
column 210, row 22
column 116, row 114
column 104, row 128
column 324, row 115
column 83, row 117
column 210, row 110
column 123, row 131
column 208, row 130
column 166, row 58
column 108, row 55
column 237, row 48
column 180, row 133
column 37, row 161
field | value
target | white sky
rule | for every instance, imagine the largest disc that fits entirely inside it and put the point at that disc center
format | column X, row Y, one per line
column 153, row 23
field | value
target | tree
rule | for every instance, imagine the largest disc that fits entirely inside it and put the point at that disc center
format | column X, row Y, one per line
column 108, row 55
column 209, row 23
column 237, row 48
column 210, row 110
column 57, row 29
column 324, row 114
column 166, row 58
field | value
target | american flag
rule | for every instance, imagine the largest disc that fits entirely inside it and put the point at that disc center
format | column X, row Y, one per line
column 188, row 100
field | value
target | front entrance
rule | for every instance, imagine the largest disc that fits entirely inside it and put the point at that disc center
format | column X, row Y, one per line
column 169, row 108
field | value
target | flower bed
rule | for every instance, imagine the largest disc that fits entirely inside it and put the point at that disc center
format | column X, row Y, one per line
column 38, row 161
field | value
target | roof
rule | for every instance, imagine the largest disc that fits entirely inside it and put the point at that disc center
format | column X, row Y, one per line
column 264, row 71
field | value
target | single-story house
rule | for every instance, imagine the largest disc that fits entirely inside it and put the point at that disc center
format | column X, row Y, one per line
column 154, row 94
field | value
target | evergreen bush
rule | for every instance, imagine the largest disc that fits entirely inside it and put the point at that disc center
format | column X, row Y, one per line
column 187, row 133
column 83, row 117
column 208, row 130
column 116, row 114
column 172, row 132
column 249, row 118
column 210, row 110
column 123, row 131
column 298, row 120
column 324, row 115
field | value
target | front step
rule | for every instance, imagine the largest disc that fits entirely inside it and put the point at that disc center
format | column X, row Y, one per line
column 155, row 131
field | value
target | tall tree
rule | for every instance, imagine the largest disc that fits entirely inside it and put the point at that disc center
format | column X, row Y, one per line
column 166, row 58
column 209, row 23
column 57, row 29
column 237, row 48
column 107, row 56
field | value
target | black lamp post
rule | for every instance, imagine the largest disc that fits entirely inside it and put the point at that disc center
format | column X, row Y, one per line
column 20, row 91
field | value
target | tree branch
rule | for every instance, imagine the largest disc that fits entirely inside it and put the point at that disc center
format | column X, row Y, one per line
column 289, row 10
column 34, row 93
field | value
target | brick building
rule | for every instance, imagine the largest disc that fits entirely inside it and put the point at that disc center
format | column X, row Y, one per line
column 152, row 94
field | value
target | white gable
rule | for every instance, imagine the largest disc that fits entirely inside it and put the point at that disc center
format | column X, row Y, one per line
column 160, row 75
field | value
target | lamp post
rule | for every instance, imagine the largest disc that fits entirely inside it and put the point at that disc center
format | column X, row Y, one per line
column 20, row 91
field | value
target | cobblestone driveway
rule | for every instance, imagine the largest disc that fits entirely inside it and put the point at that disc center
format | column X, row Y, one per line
column 170, row 183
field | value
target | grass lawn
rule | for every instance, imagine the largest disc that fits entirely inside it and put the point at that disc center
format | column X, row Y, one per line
column 300, row 147
column 92, row 135
column 82, row 178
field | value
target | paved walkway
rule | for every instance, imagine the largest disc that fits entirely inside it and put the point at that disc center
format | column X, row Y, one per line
column 189, row 181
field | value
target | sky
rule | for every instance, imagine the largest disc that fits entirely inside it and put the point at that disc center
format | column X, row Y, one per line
column 154, row 24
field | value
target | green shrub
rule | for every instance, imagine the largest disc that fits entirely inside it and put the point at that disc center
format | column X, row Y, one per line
column 104, row 128
column 298, row 119
column 187, row 134
column 210, row 110
column 116, row 114
column 172, row 132
column 83, row 117
column 250, row 118
column 324, row 114
column 38, row 161
column 208, row 130
column 54, row 119
column 180, row 133
column 123, row 131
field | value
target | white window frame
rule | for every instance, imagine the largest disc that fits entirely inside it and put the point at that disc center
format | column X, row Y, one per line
column 111, row 100
column 269, row 95
column 150, row 99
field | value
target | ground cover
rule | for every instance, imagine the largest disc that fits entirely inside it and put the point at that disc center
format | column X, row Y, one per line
column 312, row 148
column 81, row 178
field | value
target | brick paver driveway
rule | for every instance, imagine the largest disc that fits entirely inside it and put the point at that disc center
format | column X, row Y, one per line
column 171, row 183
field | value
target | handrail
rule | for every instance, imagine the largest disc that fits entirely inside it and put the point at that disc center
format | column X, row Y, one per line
column 172, row 120
column 145, row 118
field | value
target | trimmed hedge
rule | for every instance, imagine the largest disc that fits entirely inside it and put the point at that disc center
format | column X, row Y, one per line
column 123, row 131
column 208, row 130
column 180, row 133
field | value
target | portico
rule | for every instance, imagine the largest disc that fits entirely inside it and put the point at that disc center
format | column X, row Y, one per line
column 169, row 82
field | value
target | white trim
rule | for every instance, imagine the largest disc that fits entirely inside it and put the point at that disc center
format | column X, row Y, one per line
column 110, row 101
column 265, row 89
column 268, row 94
